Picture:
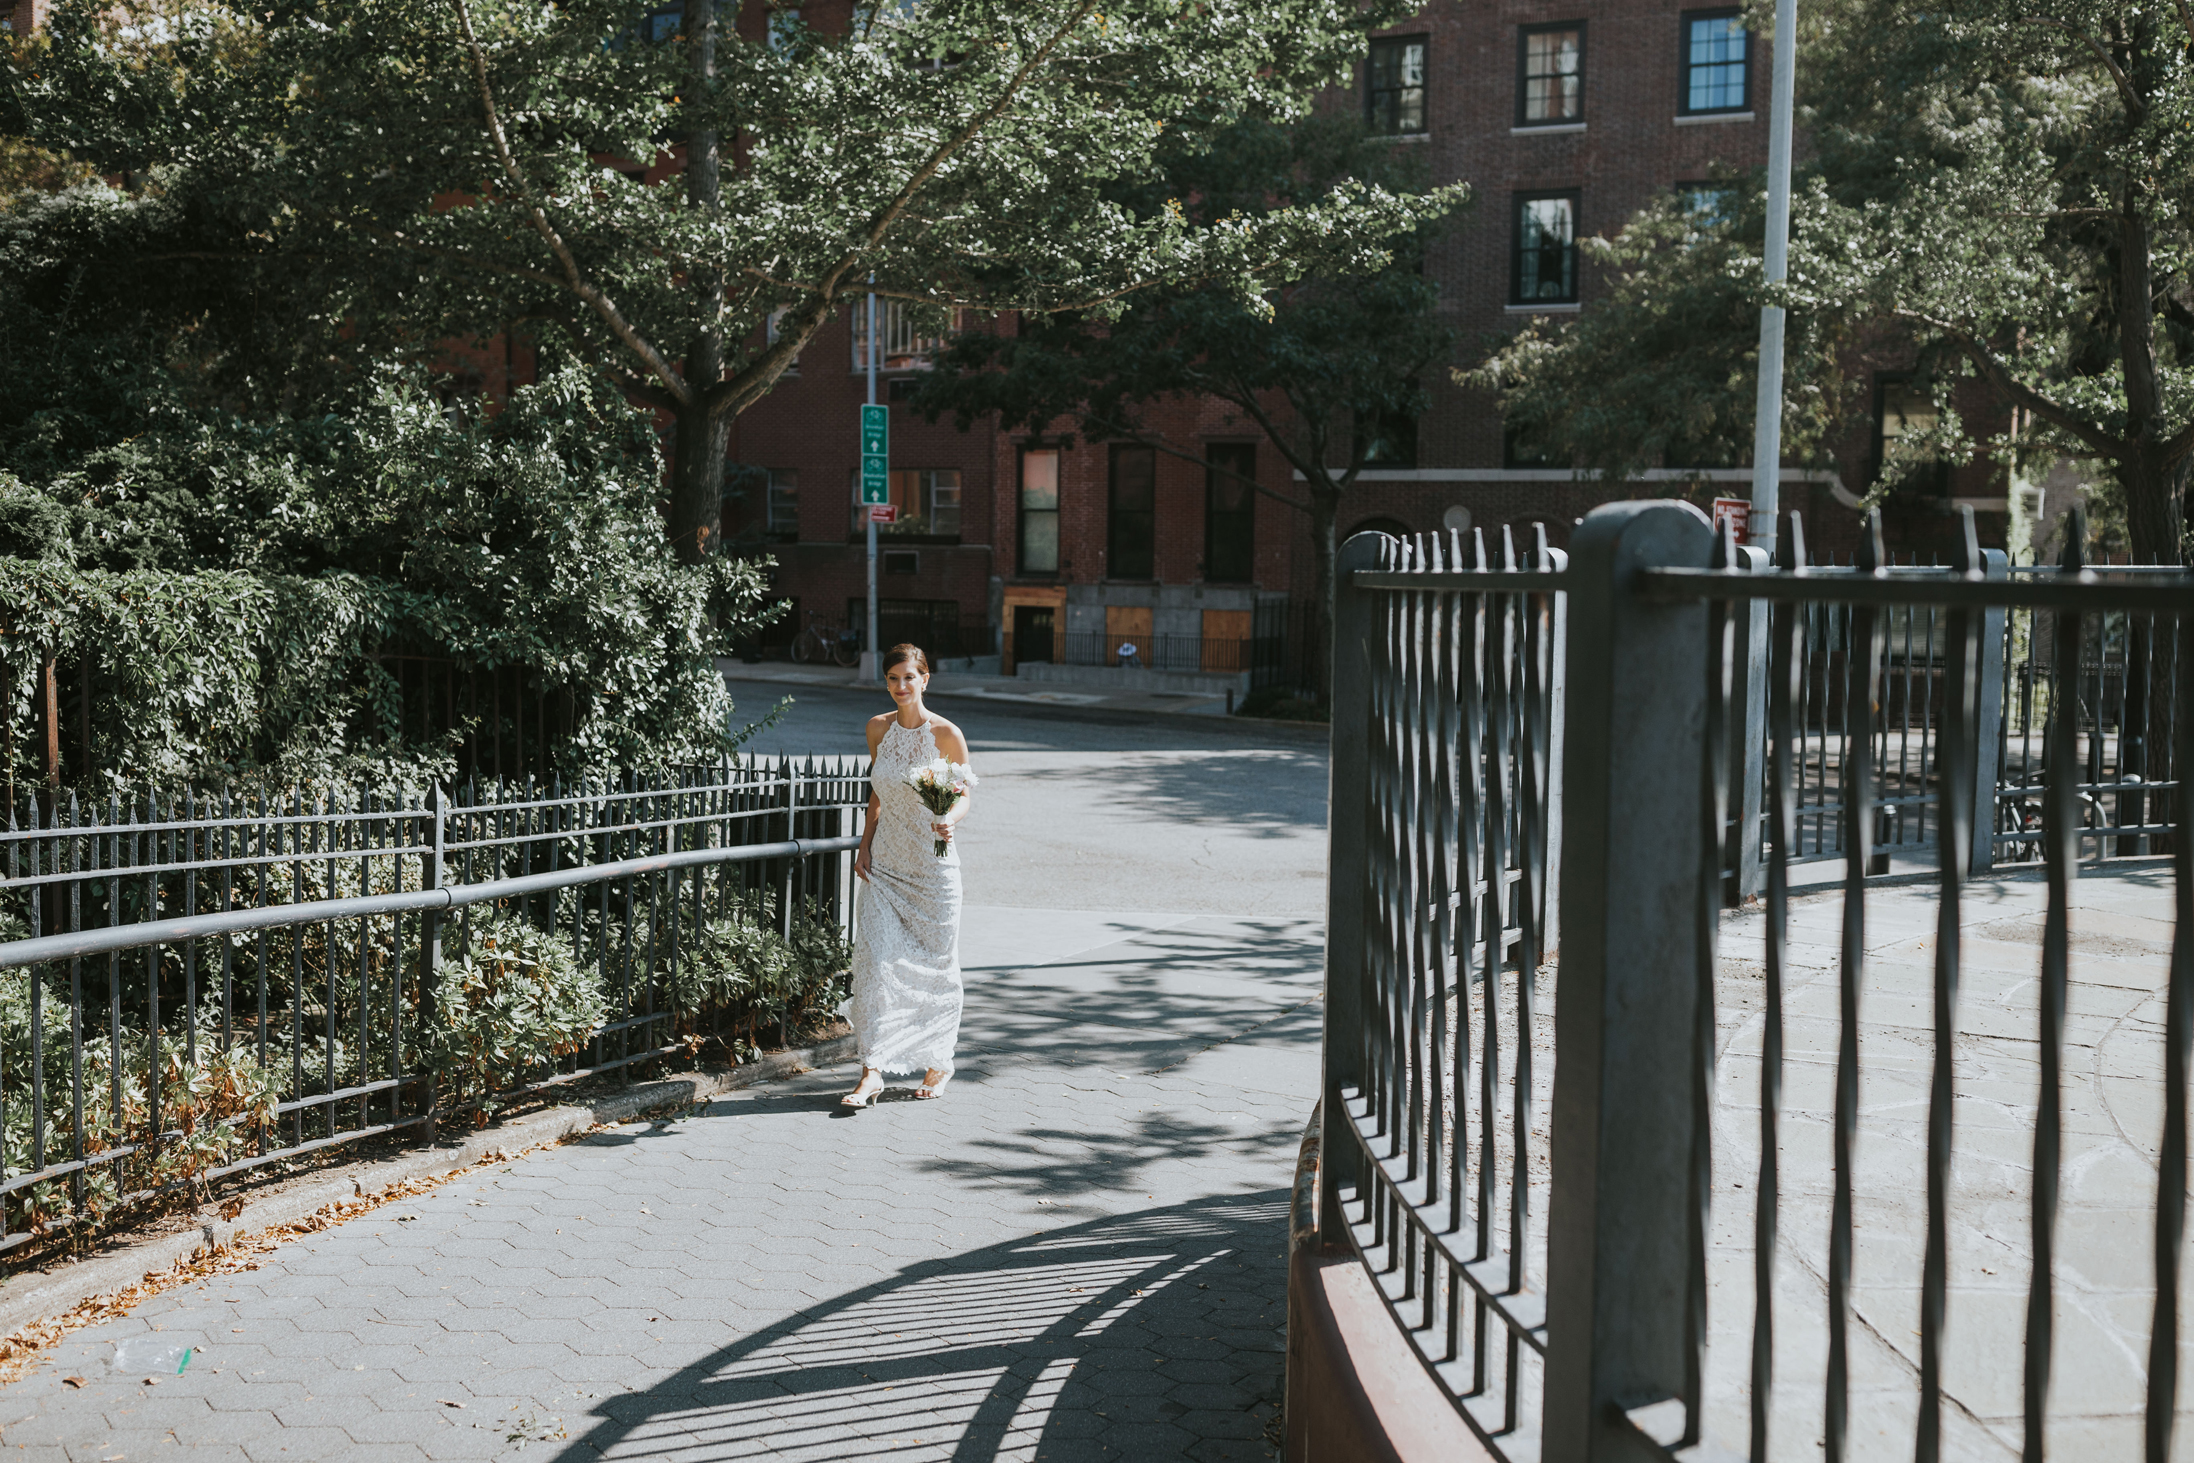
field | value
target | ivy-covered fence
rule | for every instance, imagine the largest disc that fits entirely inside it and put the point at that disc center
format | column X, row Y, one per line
column 197, row 985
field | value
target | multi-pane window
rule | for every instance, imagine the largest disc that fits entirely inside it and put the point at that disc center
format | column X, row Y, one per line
column 1230, row 519
column 1543, row 265
column 928, row 500
column 1131, row 528
column 781, row 508
column 1038, row 551
column 1550, row 84
column 1394, row 85
column 1717, row 62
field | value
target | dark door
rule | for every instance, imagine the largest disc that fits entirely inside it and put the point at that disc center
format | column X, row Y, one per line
column 1032, row 633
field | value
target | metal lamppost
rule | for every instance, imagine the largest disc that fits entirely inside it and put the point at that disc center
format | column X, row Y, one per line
column 1767, row 431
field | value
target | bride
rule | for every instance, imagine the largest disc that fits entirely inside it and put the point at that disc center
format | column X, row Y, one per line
column 906, row 958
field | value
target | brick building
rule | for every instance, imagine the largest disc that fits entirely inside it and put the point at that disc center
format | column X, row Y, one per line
column 1566, row 117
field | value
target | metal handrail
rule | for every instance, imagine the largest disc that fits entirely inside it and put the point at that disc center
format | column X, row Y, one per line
column 108, row 938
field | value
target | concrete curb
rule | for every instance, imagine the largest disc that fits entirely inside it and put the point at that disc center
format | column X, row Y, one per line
column 37, row 1294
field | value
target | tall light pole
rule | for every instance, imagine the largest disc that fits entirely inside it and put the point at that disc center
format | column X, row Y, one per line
column 870, row 650
column 1767, row 429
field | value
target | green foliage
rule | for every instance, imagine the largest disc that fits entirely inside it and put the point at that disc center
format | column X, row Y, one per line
column 505, row 1007
column 1662, row 370
column 1318, row 364
column 737, row 971
column 961, row 155
column 261, row 571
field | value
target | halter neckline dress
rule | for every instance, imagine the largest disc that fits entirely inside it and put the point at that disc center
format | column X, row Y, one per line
column 905, row 1009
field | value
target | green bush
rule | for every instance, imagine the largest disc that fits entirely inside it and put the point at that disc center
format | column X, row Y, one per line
column 505, row 1007
column 738, row 973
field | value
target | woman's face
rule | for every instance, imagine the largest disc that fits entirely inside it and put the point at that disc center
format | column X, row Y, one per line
column 905, row 683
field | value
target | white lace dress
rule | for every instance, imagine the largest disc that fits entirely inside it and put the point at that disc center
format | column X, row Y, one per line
column 906, row 956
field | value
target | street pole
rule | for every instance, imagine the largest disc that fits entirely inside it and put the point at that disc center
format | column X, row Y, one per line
column 1767, row 429
column 870, row 650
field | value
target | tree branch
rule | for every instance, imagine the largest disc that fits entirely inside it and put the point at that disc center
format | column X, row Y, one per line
column 2133, row 102
column 1999, row 375
column 620, row 327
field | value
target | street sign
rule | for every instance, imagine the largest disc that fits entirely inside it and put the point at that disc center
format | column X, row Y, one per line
column 876, row 454
column 1739, row 513
column 883, row 513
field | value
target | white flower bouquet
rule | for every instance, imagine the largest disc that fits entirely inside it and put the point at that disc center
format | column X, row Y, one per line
column 939, row 785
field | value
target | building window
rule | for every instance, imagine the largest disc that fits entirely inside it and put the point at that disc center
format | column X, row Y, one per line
column 1394, row 86
column 1038, row 552
column 1717, row 62
column 906, row 341
column 1903, row 409
column 1131, row 528
column 928, row 500
column 1543, row 268
column 781, row 509
column 1389, row 439
column 1515, row 454
column 1230, row 520
column 1708, row 205
column 1550, row 86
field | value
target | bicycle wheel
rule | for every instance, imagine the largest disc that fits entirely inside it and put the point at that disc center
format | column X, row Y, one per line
column 846, row 652
column 807, row 647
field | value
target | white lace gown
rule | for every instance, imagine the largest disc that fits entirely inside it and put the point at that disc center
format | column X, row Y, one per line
column 906, row 955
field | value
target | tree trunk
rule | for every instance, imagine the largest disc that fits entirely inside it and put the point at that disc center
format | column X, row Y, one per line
column 702, row 439
column 2155, row 496
column 704, row 431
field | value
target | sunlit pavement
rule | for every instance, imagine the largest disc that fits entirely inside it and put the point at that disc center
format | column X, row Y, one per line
column 1077, row 1253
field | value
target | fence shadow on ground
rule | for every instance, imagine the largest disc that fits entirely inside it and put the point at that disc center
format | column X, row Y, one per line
column 1156, row 1332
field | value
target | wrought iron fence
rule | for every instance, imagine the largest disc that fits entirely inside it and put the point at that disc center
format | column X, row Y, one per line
column 1583, row 1333
column 1453, row 658
column 162, row 937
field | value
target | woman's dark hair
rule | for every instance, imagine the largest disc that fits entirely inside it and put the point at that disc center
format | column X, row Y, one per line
column 901, row 654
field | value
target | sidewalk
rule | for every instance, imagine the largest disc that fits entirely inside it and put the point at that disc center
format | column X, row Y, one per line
column 1077, row 1254
column 951, row 683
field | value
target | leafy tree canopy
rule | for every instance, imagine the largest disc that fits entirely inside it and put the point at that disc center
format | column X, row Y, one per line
column 1323, row 365
column 453, row 167
column 2004, row 186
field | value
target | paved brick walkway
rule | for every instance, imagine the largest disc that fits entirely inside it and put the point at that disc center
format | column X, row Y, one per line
column 1078, row 1254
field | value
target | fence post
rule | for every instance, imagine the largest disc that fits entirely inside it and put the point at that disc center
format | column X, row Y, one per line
column 1625, row 1008
column 1988, row 719
column 432, row 876
column 1355, row 620
column 1748, row 710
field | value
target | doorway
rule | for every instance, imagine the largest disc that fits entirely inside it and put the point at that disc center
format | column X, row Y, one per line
column 1032, row 633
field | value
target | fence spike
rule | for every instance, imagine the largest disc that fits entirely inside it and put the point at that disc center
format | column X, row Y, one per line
column 1790, row 553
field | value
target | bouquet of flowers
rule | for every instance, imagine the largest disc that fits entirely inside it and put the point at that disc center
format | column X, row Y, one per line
column 939, row 785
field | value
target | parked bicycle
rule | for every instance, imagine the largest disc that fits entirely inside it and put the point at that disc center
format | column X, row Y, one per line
column 2023, row 815
column 822, row 640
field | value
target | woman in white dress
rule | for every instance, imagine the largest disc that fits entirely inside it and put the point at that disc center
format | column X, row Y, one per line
column 906, row 959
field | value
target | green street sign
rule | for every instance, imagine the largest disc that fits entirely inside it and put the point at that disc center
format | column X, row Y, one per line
column 875, row 454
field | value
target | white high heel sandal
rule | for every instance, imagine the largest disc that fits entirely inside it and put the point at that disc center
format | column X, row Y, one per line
column 860, row 1098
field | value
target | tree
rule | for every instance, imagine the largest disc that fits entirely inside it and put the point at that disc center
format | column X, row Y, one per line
column 2005, row 184
column 1322, row 365
column 474, row 164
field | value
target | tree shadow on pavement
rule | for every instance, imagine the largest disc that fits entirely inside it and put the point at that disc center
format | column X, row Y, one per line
column 1154, row 1334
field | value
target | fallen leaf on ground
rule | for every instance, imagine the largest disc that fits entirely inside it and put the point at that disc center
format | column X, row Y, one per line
column 447, row 1403
column 73, row 1381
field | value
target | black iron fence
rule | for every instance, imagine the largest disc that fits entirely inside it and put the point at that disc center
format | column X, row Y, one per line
column 198, row 985
column 1582, row 1331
